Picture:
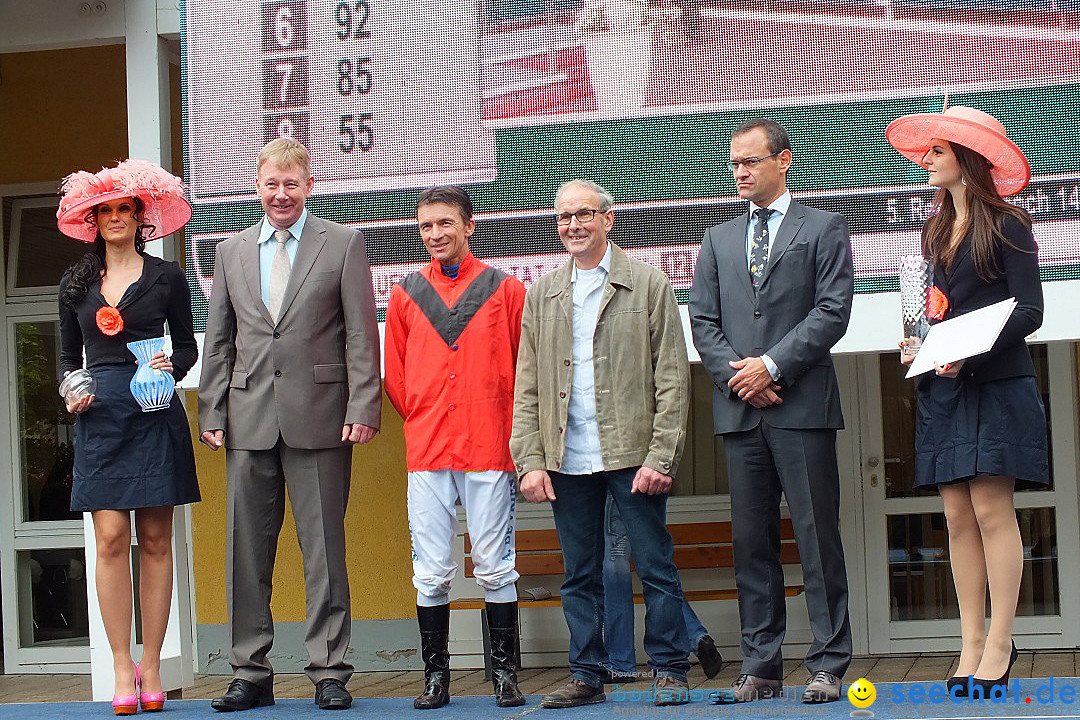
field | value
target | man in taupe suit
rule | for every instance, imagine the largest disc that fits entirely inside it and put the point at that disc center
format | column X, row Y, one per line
column 290, row 381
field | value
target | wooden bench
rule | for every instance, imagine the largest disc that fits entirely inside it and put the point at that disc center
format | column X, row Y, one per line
column 697, row 546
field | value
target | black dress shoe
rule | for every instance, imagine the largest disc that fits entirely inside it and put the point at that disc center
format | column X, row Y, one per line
column 709, row 656
column 243, row 695
column 330, row 694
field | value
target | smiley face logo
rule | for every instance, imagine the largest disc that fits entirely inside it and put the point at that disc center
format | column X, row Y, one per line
column 862, row 693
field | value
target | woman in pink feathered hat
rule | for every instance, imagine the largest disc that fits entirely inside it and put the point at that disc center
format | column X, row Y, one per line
column 127, row 459
column 980, row 430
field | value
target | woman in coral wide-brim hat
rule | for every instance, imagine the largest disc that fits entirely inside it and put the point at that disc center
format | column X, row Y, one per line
column 127, row 459
column 980, row 132
column 980, row 428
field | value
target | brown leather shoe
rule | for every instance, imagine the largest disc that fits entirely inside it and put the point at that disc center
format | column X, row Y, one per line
column 670, row 691
column 823, row 687
column 574, row 693
column 749, row 688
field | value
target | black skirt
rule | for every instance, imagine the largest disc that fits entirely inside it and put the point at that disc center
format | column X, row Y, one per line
column 126, row 458
column 964, row 429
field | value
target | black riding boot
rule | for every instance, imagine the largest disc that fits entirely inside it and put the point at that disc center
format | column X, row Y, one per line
column 434, row 641
column 503, row 636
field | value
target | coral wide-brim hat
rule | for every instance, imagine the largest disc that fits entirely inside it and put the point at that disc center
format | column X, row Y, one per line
column 162, row 194
column 975, row 130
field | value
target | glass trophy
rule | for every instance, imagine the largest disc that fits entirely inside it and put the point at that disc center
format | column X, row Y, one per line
column 76, row 385
column 915, row 276
column 152, row 388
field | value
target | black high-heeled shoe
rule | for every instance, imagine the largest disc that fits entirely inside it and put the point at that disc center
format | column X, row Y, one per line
column 988, row 685
column 957, row 681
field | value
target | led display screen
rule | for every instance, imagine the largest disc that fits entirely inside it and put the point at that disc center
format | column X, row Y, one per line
column 510, row 98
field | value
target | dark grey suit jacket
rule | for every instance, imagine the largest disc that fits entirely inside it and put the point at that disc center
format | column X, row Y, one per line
column 800, row 310
column 312, row 372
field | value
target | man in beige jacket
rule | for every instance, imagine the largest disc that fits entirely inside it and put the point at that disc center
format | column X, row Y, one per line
column 600, row 407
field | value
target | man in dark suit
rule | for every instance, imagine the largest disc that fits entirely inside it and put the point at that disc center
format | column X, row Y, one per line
column 290, row 381
column 772, row 294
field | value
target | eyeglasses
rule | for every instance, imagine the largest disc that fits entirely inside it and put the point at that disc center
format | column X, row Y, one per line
column 583, row 216
column 751, row 162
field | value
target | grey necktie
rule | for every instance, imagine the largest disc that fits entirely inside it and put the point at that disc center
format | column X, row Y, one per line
column 279, row 273
column 759, row 245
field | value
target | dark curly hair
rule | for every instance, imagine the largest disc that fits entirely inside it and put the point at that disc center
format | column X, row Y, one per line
column 92, row 265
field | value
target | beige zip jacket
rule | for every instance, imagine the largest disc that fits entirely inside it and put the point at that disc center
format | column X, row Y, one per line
column 642, row 375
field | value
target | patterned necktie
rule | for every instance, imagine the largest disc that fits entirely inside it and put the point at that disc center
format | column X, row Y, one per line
column 279, row 273
column 759, row 245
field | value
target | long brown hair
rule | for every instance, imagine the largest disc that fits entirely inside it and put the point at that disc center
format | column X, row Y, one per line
column 986, row 211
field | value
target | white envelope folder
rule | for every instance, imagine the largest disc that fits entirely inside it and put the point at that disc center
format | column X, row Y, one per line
column 962, row 337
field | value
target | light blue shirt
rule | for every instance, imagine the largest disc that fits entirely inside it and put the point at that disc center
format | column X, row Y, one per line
column 779, row 208
column 268, row 247
column 582, row 454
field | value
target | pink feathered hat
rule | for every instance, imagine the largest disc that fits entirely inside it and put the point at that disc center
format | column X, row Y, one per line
column 975, row 130
column 161, row 192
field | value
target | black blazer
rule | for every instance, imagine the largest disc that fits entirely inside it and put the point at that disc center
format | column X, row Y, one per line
column 966, row 291
column 161, row 294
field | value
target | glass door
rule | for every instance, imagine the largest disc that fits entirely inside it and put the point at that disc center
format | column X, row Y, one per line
column 911, row 603
column 44, row 566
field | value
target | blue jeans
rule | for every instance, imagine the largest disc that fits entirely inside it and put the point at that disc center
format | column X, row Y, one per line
column 579, row 520
column 619, row 596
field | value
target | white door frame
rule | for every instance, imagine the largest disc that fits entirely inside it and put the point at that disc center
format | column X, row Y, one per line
column 852, row 511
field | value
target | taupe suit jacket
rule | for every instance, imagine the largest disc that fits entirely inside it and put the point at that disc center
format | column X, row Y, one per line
column 313, row 371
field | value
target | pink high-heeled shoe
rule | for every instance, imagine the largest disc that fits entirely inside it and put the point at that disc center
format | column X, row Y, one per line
column 150, row 701
column 127, row 704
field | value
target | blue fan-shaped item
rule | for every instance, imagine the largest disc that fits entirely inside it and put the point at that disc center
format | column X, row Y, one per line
column 152, row 389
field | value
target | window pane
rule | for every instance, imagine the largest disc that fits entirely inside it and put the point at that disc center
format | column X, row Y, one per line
column 45, row 429
column 920, row 579
column 43, row 252
column 52, row 586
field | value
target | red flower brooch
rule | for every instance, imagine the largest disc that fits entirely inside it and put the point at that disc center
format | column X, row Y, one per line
column 936, row 303
column 109, row 321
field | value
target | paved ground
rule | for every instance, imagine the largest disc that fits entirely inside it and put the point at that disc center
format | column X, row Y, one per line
column 536, row 681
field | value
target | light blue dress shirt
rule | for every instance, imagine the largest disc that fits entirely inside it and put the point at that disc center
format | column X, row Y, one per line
column 268, row 248
column 779, row 208
column 582, row 454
